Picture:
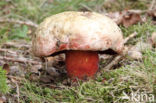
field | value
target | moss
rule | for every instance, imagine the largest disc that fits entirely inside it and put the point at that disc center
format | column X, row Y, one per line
column 3, row 82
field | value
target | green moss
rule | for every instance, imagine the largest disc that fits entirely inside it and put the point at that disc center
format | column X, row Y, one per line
column 3, row 84
column 19, row 33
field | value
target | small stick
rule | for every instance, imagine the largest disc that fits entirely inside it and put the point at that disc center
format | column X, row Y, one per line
column 7, row 50
column 16, row 45
column 119, row 57
column 137, row 11
column 29, row 23
column 129, row 37
column 15, row 80
column 17, row 91
column 113, row 62
column 20, row 60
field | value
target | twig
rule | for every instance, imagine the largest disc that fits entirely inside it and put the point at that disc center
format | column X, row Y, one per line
column 16, row 45
column 20, row 60
column 17, row 90
column 7, row 50
column 129, row 37
column 137, row 11
column 114, row 62
column 29, row 23
column 119, row 57
column 15, row 80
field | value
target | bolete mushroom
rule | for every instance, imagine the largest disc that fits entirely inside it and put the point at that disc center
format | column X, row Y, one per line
column 81, row 36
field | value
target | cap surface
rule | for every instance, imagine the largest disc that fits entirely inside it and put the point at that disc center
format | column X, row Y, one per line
column 76, row 31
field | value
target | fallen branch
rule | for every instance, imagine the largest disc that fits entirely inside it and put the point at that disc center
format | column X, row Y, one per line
column 20, row 60
column 29, row 23
column 119, row 57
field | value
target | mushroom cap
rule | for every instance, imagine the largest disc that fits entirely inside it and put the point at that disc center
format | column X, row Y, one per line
column 76, row 31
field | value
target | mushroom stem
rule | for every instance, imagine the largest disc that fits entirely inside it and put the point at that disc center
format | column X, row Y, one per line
column 81, row 64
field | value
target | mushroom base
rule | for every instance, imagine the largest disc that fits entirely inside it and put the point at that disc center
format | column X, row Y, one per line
column 81, row 64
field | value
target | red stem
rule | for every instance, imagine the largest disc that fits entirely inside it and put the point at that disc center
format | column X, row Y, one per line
column 81, row 64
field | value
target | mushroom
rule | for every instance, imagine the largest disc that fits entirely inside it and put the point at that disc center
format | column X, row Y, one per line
column 81, row 36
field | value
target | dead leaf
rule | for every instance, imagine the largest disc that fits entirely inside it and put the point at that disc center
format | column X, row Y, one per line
column 34, row 77
column 130, row 19
column 127, row 17
column 6, row 67
column 46, row 79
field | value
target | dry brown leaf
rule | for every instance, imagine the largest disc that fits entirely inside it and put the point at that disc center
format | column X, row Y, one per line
column 33, row 77
column 46, row 79
column 130, row 19
column 126, row 17
column 6, row 67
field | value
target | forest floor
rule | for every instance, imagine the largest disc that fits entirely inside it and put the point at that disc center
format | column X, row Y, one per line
column 26, row 79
